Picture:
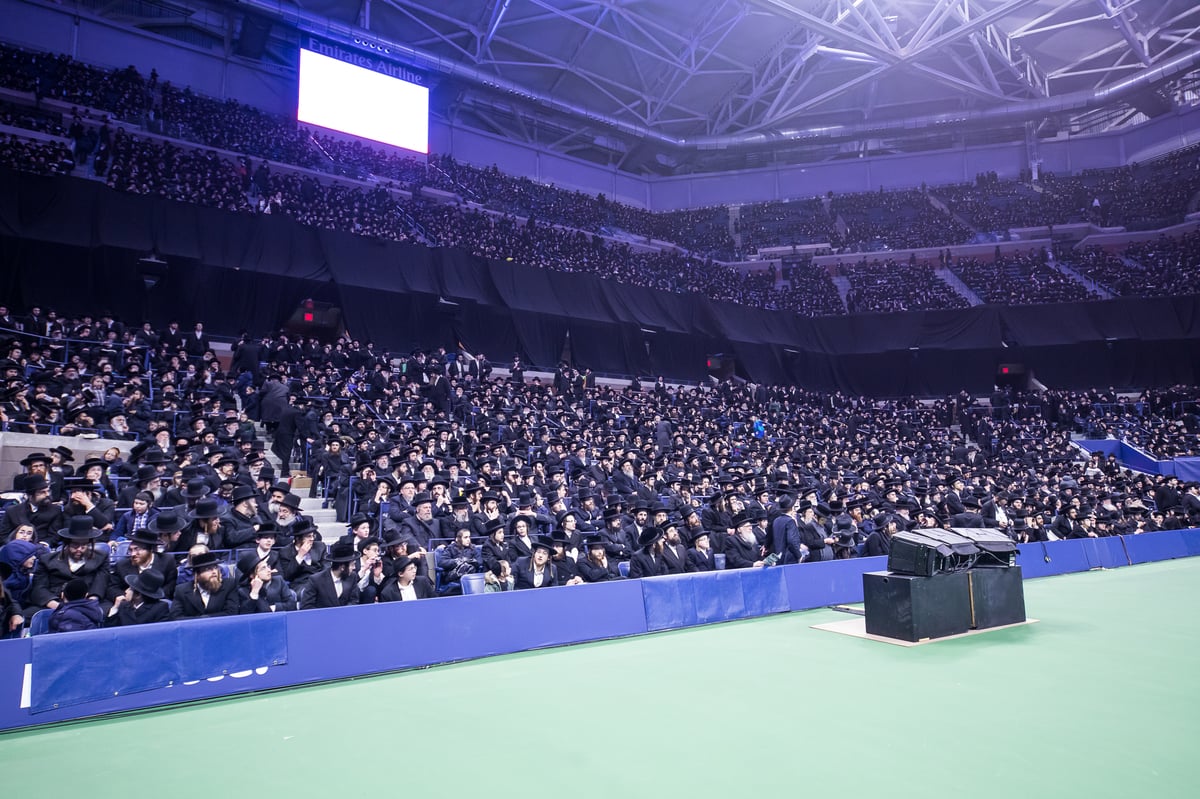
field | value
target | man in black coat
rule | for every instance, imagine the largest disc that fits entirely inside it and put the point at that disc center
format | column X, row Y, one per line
column 142, row 558
column 142, row 602
column 1191, row 503
column 784, row 539
column 701, row 558
column 209, row 594
column 335, row 585
column 407, row 584
column 36, row 510
column 296, row 426
column 597, row 567
column 537, row 570
column 421, row 526
column 674, row 553
column 196, row 343
column 741, row 549
column 648, row 560
column 78, row 559
column 264, row 549
column 880, row 541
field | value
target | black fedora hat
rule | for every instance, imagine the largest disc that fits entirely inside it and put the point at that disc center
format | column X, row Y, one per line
column 90, row 462
column 301, row 527
column 34, row 457
column 34, row 483
column 170, row 520
column 80, row 528
column 342, row 552
column 148, row 583
column 70, row 484
column 266, row 529
column 594, row 541
column 197, row 488
column 205, row 560
column 243, row 493
column 208, row 508
column 144, row 538
column 649, row 535
column 544, row 542
column 291, row 502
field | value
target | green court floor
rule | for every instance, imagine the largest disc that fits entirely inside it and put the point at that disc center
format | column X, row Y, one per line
column 1101, row 698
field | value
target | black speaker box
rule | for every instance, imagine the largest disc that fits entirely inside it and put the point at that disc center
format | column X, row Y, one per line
column 996, row 549
column 913, row 608
column 997, row 597
column 929, row 551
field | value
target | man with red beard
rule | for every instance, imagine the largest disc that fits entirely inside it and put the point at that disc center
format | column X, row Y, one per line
column 209, row 594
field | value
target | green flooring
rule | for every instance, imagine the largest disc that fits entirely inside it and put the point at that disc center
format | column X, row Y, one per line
column 1100, row 698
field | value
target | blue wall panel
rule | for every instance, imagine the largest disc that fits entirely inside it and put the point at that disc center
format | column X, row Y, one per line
column 685, row 600
column 815, row 585
column 1157, row 546
column 329, row 644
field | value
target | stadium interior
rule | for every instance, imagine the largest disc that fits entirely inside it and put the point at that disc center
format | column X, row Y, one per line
column 602, row 290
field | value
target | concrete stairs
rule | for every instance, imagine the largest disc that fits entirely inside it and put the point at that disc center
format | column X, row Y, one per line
column 961, row 288
column 1081, row 279
column 842, row 284
column 945, row 209
column 324, row 518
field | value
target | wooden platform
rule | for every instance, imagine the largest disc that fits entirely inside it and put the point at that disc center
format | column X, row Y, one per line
column 857, row 627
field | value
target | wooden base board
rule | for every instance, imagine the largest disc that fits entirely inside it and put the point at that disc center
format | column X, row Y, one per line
column 857, row 627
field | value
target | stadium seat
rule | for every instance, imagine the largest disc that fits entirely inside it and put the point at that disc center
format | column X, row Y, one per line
column 623, row 567
column 472, row 584
column 40, row 623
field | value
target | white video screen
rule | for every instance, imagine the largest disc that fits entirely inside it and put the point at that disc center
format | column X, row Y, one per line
column 362, row 102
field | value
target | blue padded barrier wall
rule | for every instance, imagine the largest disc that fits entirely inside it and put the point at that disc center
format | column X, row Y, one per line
column 815, row 585
column 87, row 666
column 1187, row 469
column 1159, row 546
column 685, row 600
column 344, row 642
column 77, row 675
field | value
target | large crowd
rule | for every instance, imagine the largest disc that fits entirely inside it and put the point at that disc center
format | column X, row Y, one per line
column 1019, row 279
column 444, row 472
column 506, row 217
column 891, row 286
column 1161, row 267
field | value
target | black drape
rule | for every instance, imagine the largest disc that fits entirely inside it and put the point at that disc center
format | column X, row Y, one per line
column 76, row 244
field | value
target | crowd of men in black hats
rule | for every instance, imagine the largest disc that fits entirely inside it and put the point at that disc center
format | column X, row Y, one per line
column 442, row 471
column 852, row 223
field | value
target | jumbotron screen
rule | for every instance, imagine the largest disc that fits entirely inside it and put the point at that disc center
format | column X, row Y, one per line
column 362, row 102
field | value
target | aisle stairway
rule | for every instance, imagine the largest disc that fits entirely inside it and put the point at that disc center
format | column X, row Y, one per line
column 324, row 518
column 1081, row 279
column 955, row 282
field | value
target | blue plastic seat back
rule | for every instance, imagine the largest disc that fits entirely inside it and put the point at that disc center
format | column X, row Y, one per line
column 472, row 584
column 40, row 623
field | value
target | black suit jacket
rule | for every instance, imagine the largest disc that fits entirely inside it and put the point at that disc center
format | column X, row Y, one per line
column 675, row 559
column 701, row 561
column 149, row 613
column 523, row 572
column 643, row 565
column 189, row 604
column 319, row 592
column 591, row 573
column 423, row 587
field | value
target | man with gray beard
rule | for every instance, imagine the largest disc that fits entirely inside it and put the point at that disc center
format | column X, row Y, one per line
column 209, row 594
